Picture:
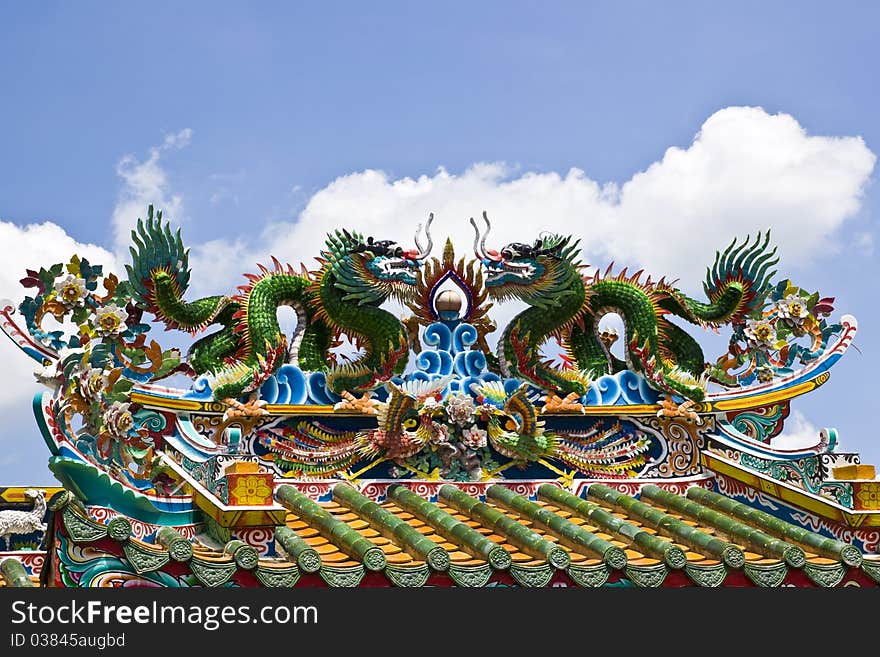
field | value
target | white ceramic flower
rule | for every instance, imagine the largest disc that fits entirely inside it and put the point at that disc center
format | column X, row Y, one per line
column 71, row 291
column 110, row 320
column 473, row 437
column 792, row 307
column 118, row 420
column 440, row 436
column 92, row 382
column 760, row 334
column 460, row 409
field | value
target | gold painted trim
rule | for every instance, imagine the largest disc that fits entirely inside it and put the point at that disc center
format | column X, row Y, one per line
column 235, row 517
column 308, row 409
column 165, row 402
column 15, row 494
column 790, row 494
column 766, row 398
column 223, row 514
column 633, row 409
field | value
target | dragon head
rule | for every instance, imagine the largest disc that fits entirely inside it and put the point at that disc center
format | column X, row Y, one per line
column 524, row 270
column 370, row 270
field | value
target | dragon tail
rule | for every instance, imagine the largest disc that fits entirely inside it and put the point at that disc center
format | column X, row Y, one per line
column 236, row 377
column 738, row 281
column 157, row 249
column 159, row 277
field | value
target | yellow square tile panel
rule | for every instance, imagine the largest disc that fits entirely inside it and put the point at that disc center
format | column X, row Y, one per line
column 854, row 472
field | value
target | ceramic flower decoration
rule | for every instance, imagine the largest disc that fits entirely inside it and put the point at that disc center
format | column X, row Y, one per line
column 760, row 334
column 71, row 291
column 110, row 320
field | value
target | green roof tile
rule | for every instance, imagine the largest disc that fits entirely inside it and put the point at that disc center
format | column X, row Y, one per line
column 334, row 530
column 567, row 532
column 519, row 535
column 822, row 545
column 394, row 528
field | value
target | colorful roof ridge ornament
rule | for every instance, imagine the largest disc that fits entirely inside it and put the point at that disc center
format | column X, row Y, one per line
column 569, row 443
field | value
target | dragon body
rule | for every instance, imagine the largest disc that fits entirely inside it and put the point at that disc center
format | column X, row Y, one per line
column 566, row 306
column 343, row 296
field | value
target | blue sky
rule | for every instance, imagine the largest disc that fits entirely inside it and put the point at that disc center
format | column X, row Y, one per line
column 252, row 113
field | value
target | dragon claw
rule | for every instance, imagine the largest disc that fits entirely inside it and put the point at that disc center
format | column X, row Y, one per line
column 668, row 408
column 363, row 404
column 254, row 407
column 554, row 403
column 567, row 480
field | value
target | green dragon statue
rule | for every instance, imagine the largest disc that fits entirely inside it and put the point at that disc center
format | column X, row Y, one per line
column 565, row 305
column 343, row 296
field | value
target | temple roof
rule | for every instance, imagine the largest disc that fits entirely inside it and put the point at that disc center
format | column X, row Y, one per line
column 701, row 538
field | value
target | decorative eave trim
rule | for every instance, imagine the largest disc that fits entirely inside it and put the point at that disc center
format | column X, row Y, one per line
column 710, row 576
column 793, row 495
column 589, row 576
column 769, row 575
column 343, row 576
column 471, row 576
column 147, row 557
column 647, row 576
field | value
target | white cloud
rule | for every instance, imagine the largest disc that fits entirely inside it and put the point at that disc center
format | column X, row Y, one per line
column 799, row 433
column 31, row 247
column 745, row 170
column 145, row 182
column 177, row 140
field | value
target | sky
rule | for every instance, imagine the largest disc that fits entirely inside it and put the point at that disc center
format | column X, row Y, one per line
column 654, row 131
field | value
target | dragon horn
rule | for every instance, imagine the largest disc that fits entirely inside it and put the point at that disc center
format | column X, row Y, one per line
column 424, row 251
column 417, row 240
column 486, row 234
column 476, row 240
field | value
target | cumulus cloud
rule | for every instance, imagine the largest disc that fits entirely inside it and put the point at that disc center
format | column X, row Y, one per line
column 33, row 246
column 745, row 170
column 798, row 433
column 145, row 182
